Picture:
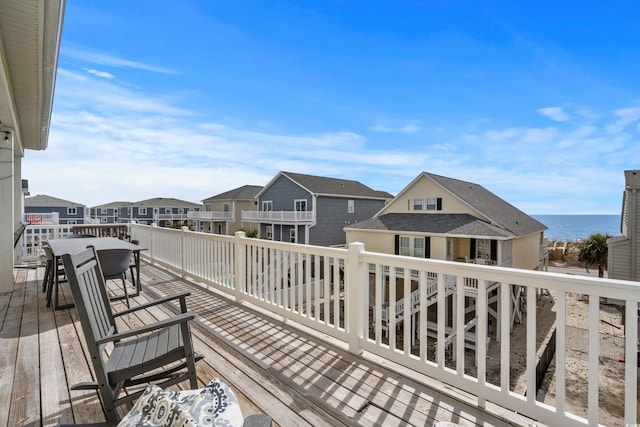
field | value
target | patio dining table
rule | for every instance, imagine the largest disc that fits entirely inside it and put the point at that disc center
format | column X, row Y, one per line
column 61, row 247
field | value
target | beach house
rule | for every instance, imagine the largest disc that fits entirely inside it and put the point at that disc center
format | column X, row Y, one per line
column 222, row 213
column 308, row 209
column 450, row 219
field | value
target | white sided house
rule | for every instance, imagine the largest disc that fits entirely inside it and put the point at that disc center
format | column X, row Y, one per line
column 222, row 213
column 449, row 219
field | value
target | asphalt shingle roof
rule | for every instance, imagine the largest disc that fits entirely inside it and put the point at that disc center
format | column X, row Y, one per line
column 488, row 204
column 336, row 186
column 458, row 224
column 246, row 192
column 44, row 200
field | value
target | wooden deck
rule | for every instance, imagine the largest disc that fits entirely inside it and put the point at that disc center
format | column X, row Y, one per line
column 294, row 376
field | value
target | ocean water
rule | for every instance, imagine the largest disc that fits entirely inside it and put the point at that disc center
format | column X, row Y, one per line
column 571, row 228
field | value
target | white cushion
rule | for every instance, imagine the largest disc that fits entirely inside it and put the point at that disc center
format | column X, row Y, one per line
column 213, row 405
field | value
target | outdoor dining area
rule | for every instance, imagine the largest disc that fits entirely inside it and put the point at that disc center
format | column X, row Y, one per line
column 271, row 372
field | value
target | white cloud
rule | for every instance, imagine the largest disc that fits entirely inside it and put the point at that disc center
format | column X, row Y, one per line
column 106, row 59
column 103, row 74
column 624, row 117
column 408, row 128
column 554, row 113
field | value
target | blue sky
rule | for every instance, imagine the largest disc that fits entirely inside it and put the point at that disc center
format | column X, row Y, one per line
column 539, row 102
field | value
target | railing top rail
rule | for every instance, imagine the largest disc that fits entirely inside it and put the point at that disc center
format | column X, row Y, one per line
column 611, row 288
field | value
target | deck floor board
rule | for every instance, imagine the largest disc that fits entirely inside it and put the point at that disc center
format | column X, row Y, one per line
column 289, row 373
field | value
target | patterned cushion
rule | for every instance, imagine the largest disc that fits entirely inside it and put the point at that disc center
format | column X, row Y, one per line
column 213, row 405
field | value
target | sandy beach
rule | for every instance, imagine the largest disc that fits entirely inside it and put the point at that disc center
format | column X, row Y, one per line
column 611, row 372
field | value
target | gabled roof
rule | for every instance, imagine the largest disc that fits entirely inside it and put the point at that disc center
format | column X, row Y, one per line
column 454, row 224
column 113, row 205
column 246, row 192
column 323, row 186
column 162, row 202
column 500, row 213
column 49, row 201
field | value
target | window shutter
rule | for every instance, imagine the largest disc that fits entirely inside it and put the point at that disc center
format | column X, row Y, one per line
column 427, row 247
column 494, row 250
column 439, row 203
column 397, row 244
column 472, row 249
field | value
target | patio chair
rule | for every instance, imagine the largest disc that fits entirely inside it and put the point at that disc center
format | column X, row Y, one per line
column 135, row 356
column 114, row 264
column 50, row 272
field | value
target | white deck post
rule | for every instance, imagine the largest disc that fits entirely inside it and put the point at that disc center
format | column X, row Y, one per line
column 239, row 263
column 356, row 297
column 7, row 178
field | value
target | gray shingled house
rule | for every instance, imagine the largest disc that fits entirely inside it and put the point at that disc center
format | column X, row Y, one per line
column 314, row 210
column 623, row 251
column 42, row 209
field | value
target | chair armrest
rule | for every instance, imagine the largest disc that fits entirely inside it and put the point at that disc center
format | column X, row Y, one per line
column 182, row 296
column 181, row 318
column 257, row 420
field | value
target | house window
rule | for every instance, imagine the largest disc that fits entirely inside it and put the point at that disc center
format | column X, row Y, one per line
column 417, row 204
column 292, row 235
column 267, row 205
column 412, row 246
column 167, row 210
column 351, row 206
column 434, row 203
column 418, row 247
column 72, row 222
column 142, row 211
column 103, row 211
column 103, row 219
column 405, row 246
column 72, row 211
column 301, row 205
column 269, row 232
column 483, row 248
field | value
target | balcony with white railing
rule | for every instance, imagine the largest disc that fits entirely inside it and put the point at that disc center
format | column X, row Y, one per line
column 170, row 216
column 221, row 216
column 423, row 318
column 41, row 218
column 355, row 297
column 279, row 217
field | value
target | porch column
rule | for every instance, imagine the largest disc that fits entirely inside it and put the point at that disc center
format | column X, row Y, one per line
column 7, row 211
column 18, row 200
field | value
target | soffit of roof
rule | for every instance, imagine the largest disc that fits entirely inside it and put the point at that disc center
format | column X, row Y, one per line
column 30, row 33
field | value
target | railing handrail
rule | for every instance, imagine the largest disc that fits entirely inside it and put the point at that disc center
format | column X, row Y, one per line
column 278, row 216
column 210, row 215
column 335, row 290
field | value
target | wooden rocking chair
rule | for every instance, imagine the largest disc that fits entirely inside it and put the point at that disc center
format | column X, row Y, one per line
column 160, row 351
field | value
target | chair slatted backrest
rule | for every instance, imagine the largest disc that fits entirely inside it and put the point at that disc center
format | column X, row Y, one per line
column 90, row 295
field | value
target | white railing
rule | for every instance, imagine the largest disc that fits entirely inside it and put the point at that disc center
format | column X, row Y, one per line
column 170, row 216
column 34, row 235
column 30, row 242
column 210, row 215
column 278, row 216
column 342, row 293
column 41, row 218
